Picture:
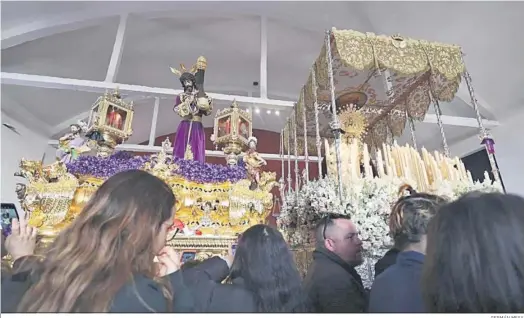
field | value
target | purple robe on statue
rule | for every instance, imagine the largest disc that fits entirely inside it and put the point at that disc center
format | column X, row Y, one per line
column 190, row 128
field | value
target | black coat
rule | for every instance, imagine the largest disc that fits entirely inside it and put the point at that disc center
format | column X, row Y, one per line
column 142, row 295
column 386, row 261
column 334, row 286
column 398, row 289
column 214, row 297
column 225, row 298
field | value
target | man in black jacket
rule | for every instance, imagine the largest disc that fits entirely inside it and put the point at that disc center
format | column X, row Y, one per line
column 332, row 283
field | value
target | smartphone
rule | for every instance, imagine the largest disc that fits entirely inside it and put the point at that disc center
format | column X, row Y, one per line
column 9, row 213
column 187, row 256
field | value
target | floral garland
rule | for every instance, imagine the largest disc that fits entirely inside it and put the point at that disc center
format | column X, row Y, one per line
column 367, row 201
column 121, row 161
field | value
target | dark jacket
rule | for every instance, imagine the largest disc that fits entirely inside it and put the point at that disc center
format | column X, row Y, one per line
column 225, row 298
column 334, row 286
column 389, row 259
column 141, row 295
column 398, row 289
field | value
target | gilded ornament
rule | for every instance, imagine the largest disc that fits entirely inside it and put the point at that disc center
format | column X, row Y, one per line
column 218, row 212
column 353, row 124
column 359, row 57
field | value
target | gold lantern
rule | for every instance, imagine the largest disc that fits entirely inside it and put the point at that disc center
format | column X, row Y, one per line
column 110, row 122
column 233, row 127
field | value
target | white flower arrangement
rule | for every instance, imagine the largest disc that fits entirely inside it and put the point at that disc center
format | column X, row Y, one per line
column 368, row 202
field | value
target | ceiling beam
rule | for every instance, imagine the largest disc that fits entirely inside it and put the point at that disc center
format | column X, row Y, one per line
column 101, row 87
column 84, row 115
column 118, row 48
column 460, row 121
column 263, row 57
column 209, row 153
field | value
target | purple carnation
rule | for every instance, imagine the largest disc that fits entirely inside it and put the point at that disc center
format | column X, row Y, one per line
column 122, row 161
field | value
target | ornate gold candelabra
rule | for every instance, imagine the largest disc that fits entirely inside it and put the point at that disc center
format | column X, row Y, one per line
column 232, row 129
column 110, row 122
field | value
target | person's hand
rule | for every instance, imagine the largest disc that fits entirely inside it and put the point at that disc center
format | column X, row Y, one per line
column 168, row 261
column 22, row 241
column 230, row 256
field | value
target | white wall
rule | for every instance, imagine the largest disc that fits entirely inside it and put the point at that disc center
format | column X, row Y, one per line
column 509, row 151
column 28, row 145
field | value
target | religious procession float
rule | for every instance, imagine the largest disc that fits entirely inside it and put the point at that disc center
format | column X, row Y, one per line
column 215, row 203
column 361, row 93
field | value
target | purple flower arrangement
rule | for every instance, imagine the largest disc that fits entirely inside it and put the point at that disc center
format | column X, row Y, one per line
column 122, row 161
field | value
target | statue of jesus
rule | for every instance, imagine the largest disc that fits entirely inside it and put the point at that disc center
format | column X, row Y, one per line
column 191, row 105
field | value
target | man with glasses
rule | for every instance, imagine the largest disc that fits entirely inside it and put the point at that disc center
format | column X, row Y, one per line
column 332, row 283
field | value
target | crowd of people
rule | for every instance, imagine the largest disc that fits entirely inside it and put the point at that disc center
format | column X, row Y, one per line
column 462, row 256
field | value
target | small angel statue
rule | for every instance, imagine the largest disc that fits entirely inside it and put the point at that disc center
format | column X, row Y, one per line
column 254, row 163
column 72, row 144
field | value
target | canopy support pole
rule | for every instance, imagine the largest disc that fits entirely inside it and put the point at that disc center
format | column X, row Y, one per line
column 335, row 123
column 306, row 150
column 438, row 113
column 317, row 124
column 485, row 137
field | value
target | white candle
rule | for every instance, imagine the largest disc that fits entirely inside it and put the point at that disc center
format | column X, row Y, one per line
column 380, row 167
column 486, row 177
column 425, row 177
column 470, row 177
column 365, row 157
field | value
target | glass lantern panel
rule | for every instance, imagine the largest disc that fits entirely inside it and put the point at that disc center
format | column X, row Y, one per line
column 243, row 127
column 93, row 117
column 116, row 117
column 224, row 126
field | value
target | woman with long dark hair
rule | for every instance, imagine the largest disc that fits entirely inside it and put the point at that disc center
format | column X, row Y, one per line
column 397, row 289
column 263, row 277
column 475, row 256
column 105, row 260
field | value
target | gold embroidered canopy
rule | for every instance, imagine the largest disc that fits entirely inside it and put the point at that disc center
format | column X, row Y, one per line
column 389, row 78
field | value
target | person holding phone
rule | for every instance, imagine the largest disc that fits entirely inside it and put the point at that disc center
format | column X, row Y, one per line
column 18, row 237
column 8, row 214
column 20, row 244
column 22, row 240
column 105, row 260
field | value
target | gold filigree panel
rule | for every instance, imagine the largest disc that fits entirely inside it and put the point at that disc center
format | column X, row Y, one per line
column 361, row 62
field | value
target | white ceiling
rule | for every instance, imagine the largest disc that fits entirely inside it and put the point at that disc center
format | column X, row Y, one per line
column 75, row 40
